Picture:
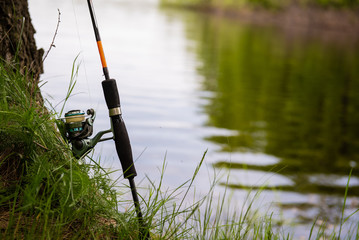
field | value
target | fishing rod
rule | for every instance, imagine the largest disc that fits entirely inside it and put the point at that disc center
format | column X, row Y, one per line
column 122, row 141
column 78, row 127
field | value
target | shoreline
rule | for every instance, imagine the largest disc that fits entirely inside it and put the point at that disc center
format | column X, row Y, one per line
column 340, row 24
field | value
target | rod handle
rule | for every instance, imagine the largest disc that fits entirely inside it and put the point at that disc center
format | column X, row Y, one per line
column 110, row 91
column 123, row 146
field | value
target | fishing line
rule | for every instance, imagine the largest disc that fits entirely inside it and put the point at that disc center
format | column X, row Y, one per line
column 82, row 57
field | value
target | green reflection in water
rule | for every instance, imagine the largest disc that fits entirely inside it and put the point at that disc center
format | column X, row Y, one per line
column 293, row 96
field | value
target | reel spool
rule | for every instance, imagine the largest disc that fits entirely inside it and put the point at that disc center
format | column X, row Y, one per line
column 78, row 128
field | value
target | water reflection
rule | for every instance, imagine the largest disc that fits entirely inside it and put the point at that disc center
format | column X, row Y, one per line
column 292, row 98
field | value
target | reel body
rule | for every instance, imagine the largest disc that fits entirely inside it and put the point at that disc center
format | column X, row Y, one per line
column 77, row 130
column 77, row 127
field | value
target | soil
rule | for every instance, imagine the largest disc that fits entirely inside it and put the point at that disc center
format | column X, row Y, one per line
column 17, row 42
column 17, row 36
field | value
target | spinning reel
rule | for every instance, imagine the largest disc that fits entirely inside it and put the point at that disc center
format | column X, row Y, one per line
column 77, row 128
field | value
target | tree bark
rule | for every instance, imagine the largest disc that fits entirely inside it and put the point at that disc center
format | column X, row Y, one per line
column 17, row 42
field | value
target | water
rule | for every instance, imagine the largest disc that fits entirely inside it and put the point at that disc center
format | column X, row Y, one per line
column 277, row 108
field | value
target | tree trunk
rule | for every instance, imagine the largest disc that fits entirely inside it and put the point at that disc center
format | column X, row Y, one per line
column 17, row 42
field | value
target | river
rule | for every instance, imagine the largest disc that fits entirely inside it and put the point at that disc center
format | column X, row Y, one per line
column 276, row 109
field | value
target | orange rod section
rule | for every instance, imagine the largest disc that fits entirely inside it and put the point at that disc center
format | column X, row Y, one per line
column 102, row 54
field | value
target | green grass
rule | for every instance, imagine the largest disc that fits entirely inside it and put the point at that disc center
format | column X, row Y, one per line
column 45, row 192
column 48, row 194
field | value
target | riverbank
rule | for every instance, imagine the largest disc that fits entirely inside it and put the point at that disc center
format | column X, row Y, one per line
column 291, row 17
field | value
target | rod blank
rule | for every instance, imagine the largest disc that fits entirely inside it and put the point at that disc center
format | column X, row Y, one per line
column 98, row 40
